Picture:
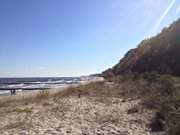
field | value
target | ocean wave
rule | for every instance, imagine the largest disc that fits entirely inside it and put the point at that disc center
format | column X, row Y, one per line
column 40, row 83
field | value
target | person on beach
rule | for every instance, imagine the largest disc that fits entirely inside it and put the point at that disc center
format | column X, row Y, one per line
column 13, row 92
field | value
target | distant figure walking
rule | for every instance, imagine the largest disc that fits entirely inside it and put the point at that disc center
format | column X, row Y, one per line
column 13, row 92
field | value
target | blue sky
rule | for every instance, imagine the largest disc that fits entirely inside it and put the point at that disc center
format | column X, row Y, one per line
column 75, row 37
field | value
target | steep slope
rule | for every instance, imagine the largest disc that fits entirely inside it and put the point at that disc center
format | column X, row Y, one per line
column 160, row 53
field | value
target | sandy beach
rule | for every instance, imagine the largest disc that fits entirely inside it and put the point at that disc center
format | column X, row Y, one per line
column 84, row 116
column 75, row 115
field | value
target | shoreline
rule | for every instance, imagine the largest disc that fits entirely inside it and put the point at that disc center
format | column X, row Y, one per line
column 27, row 93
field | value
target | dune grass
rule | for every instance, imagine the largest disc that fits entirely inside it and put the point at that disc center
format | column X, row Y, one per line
column 160, row 93
column 24, row 99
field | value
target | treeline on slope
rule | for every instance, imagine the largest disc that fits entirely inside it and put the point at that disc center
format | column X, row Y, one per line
column 160, row 53
column 143, row 71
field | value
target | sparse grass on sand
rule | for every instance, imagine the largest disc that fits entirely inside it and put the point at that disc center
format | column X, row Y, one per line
column 92, row 105
column 24, row 99
column 149, row 100
column 160, row 93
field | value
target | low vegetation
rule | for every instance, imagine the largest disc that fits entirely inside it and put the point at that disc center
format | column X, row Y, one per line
column 23, row 110
column 159, row 93
column 94, row 89
column 25, row 99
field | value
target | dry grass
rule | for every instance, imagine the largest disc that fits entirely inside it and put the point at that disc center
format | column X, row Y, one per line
column 21, row 121
column 160, row 93
column 17, row 124
column 111, row 117
column 24, row 100
column 23, row 110
column 42, row 95
column 91, row 90
column 95, row 89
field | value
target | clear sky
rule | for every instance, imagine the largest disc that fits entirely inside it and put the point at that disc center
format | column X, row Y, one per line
column 75, row 37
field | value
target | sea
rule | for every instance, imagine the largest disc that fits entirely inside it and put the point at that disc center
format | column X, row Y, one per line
column 39, row 83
